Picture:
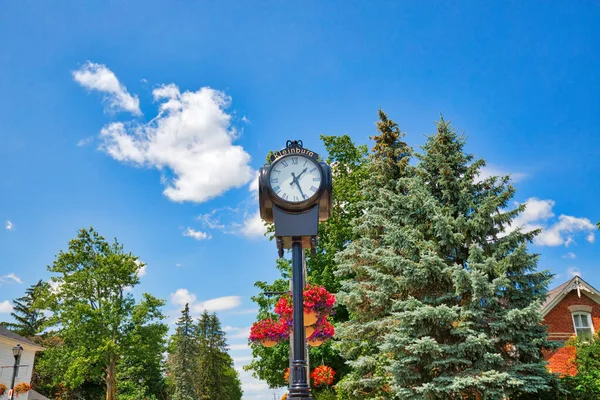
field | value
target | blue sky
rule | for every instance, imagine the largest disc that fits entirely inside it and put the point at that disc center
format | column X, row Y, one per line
column 78, row 81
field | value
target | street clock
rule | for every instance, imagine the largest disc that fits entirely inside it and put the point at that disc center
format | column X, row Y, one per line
column 295, row 193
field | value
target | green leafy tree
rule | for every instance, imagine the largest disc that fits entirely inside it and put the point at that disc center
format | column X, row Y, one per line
column 29, row 319
column 369, row 282
column 97, row 323
column 348, row 162
column 216, row 378
column 183, row 357
column 586, row 384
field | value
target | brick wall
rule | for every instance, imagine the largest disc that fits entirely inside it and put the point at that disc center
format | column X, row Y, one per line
column 560, row 325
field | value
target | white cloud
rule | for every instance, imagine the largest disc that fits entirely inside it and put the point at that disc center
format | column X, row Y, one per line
column 178, row 265
column 570, row 255
column 190, row 140
column 253, row 226
column 538, row 214
column 9, row 226
column 573, row 271
column 181, row 297
column 98, row 77
column 238, row 347
column 5, row 307
column 218, row 304
column 490, row 170
column 198, row 235
column 253, row 187
column 54, row 286
column 246, row 120
column 12, row 276
column 591, row 237
column 234, row 332
column 142, row 271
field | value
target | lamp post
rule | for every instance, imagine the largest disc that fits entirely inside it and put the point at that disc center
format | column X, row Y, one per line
column 17, row 350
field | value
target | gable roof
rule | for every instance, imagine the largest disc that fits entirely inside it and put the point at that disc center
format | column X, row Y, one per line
column 558, row 293
column 8, row 334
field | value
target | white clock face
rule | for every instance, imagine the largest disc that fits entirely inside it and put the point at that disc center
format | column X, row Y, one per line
column 295, row 178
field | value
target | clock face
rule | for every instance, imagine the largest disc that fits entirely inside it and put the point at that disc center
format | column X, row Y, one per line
column 295, row 178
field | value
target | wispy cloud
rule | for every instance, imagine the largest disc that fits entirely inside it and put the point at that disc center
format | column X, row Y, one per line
column 9, row 226
column 570, row 255
column 490, row 170
column 198, row 235
column 85, row 141
column 573, row 271
column 10, row 277
column 100, row 78
column 538, row 214
column 226, row 220
column 591, row 237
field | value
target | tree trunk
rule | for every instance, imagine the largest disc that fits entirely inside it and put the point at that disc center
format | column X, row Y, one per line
column 111, row 379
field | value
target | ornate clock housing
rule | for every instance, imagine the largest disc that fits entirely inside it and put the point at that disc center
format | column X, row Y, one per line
column 295, row 182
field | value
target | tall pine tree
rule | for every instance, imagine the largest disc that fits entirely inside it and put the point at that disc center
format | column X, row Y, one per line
column 216, row 378
column 370, row 282
column 183, row 357
column 463, row 292
column 29, row 319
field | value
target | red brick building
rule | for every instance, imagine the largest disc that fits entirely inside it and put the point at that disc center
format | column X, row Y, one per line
column 572, row 308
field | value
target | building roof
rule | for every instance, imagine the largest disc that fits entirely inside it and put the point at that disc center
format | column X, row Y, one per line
column 558, row 293
column 8, row 334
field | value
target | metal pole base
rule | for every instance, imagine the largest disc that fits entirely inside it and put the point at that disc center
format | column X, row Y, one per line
column 299, row 388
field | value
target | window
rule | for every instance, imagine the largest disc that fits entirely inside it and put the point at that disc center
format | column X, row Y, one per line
column 583, row 324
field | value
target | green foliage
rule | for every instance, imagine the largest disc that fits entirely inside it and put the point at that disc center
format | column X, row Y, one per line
column 29, row 319
column 368, row 284
column 348, row 167
column 216, row 378
column 444, row 303
column 586, row 384
column 183, row 357
column 100, row 335
column 199, row 365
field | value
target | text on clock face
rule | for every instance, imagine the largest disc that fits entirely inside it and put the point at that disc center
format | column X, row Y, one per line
column 295, row 179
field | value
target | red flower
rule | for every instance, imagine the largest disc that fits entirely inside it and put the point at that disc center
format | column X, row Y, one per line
column 322, row 375
column 318, row 299
column 284, row 307
column 269, row 329
column 286, row 375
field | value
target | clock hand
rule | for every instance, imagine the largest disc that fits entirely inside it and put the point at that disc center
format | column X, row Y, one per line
column 299, row 175
column 298, row 184
column 294, row 180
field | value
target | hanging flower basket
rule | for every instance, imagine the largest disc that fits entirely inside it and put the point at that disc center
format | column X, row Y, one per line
column 323, row 375
column 318, row 302
column 22, row 388
column 318, row 299
column 3, row 389
column 323, row 333
column 269, row 332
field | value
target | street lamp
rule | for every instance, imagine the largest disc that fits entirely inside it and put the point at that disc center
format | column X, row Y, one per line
column 17, row 350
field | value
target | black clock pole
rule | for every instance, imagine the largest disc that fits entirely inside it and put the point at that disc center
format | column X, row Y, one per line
column 299, row 388
column 296, row 219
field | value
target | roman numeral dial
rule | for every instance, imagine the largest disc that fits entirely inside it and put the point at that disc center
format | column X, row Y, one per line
column 295, row 178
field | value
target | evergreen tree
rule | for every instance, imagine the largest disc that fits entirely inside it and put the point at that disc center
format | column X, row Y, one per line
column 370, row 283
column 183, row 357
column 29, row 319
column 463, row 291
column 216, row 378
